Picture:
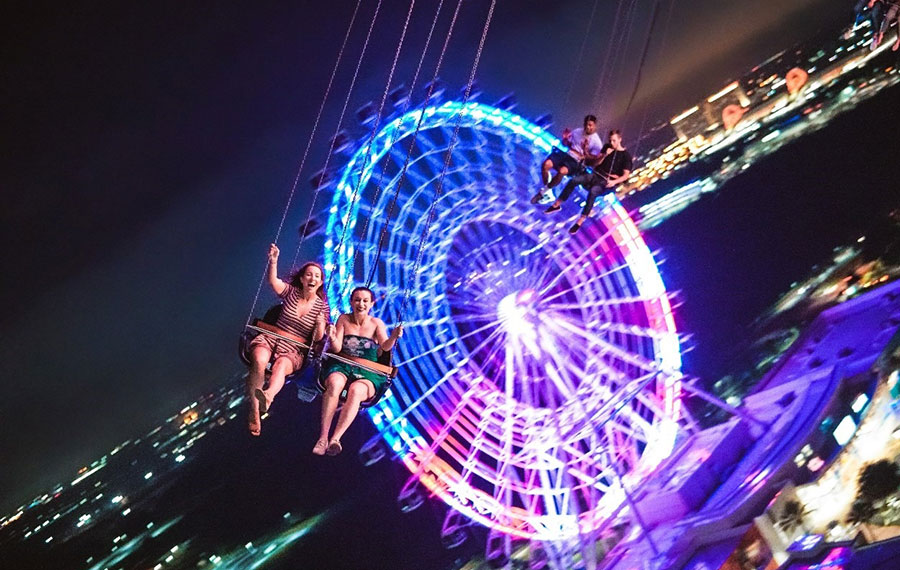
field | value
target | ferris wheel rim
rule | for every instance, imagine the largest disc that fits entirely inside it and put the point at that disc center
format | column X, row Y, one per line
column 627, row 238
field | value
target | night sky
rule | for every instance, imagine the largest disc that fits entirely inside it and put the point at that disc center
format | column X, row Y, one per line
column 148, row 151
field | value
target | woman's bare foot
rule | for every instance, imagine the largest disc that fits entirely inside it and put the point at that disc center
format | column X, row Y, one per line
column 253, row 424
column 320, row 447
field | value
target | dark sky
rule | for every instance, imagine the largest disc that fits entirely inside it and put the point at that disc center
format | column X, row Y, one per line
column 148, row 151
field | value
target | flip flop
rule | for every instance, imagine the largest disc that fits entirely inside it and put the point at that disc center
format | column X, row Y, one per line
column 264, row 402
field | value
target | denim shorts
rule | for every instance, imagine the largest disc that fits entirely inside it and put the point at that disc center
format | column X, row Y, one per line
column 560, row 158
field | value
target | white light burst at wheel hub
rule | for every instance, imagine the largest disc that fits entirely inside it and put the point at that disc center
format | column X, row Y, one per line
column 538, row 370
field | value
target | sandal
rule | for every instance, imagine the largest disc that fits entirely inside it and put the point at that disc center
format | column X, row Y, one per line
column 264, row 402
column 320, row 447
column 334, row 448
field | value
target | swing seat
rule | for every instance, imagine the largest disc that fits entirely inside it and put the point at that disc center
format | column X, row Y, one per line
column 384, row 359
column 247, row 335
column 309, row 379
column 303, row 378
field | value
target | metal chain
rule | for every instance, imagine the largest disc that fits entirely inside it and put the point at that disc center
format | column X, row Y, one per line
column 447, row 160
column 305, row 154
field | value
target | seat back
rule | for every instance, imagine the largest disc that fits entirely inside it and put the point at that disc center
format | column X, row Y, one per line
column 384, row 358
column 247, row 335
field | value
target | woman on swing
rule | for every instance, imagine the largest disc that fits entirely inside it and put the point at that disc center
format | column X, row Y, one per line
column 304, row 313
column 359, row 335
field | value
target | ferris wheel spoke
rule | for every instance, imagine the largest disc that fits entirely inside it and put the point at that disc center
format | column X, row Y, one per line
column 623, row 355
column 614, row 378
column 526, row 412
column 449, row 343
column 571, row 264
column 610, row 327
column 468, row 465
column 601, row 303
column 450, row 374
column 591, row 284
column 651, row 402
column 424, row 456
column 446, row 319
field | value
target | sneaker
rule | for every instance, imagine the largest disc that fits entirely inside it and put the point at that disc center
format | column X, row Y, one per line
column 540, row 194
column 552, row 208
column 334, row 448
column 574, row 228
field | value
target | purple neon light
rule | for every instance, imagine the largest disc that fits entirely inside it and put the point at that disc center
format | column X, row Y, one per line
column 536, row 367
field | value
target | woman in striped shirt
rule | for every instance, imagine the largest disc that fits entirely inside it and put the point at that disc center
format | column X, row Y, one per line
column 304, row 313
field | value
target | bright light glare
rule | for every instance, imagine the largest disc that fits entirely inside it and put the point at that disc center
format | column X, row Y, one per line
column 845, row 430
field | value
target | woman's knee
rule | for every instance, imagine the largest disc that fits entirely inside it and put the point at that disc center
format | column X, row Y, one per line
column 548, row 164
column 259, row 358
column 358, row 391
column 334, row 383
column 282, row 366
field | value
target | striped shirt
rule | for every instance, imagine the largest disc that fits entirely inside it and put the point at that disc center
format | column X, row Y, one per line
column 302, row 326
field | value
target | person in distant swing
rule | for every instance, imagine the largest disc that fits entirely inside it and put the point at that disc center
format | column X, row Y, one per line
column 614, row 168
column 584, row 147
column 305, row 314
column 891, row 16
column 873, row 10
column 360, row 335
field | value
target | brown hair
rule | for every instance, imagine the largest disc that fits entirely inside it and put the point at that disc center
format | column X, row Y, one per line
column 296, row 277
column 371, row 294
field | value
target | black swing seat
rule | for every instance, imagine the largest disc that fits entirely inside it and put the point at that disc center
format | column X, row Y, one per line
column 390, row 372
column 307, row 377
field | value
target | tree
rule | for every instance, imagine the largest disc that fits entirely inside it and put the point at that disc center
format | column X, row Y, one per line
column 791, row 516
column 878, row 480
column 860, row 512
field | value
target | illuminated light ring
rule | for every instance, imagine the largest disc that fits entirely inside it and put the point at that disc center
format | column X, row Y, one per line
column 535, row 367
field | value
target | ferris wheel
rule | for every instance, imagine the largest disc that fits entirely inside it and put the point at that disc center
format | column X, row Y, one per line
column 539, row 372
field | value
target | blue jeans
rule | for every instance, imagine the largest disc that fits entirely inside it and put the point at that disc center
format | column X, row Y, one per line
column 596, row 185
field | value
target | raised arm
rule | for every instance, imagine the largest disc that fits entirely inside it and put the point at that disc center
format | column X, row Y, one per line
column 277, row 284
column 567, row 137
column 381, row 337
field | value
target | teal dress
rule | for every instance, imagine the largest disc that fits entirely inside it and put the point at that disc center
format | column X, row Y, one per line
column 360, row 347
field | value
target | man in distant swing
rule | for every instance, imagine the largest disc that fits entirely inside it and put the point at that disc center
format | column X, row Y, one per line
column 584, row 147
column 613, row 169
